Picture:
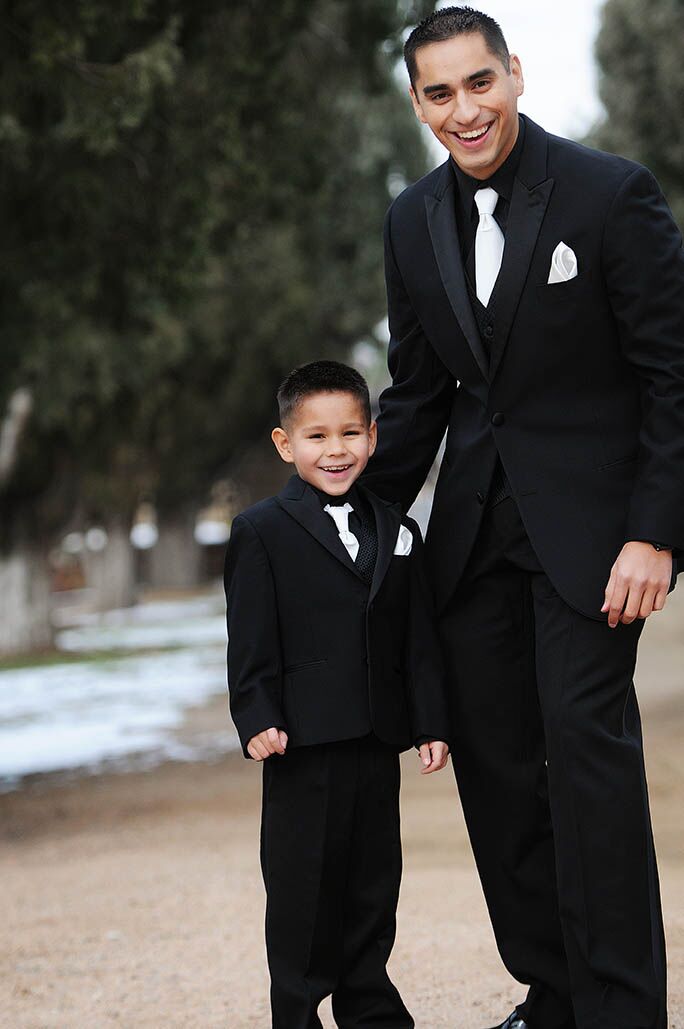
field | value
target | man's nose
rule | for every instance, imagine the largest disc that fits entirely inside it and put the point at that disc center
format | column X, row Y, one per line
column 466, row 109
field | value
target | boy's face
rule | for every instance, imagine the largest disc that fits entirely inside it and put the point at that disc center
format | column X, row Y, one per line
column 328, row 440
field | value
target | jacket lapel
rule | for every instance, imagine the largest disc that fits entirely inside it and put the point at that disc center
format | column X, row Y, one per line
column 302, row 504
column 441, row 219
column 531, row 194
column 387, row 523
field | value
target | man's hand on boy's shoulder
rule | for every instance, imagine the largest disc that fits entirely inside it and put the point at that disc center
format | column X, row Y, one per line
column 433, row 756
column 264, row 744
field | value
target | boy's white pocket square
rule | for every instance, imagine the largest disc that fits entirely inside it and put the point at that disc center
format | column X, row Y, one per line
column 563, row 264
column 402, row 548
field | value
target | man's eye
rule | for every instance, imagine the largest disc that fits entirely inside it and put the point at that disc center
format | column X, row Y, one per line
column 481, row 83
column 439, row 96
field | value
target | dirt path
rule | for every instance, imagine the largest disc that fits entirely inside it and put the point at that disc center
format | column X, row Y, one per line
column 135, row 900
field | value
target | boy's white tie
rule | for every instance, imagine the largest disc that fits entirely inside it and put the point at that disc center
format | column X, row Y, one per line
column 489, row 244
column 340, row 515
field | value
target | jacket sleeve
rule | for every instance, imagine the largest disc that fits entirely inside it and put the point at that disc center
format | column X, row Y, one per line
column 643, row 264
column 414, row 410
column 428, row 706
column 254, row 658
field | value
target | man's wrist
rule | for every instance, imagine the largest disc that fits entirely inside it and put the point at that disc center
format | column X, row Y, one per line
column 656, row 544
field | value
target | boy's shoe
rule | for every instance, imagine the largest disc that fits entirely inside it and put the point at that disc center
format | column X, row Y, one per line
column 514, row 1021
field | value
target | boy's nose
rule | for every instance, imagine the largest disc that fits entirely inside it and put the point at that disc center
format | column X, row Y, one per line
column 336, row 446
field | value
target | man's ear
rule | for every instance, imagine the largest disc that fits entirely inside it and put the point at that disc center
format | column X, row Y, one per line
column 282, row 444
column 517, row 73
column 418, row 110
column 372, row 438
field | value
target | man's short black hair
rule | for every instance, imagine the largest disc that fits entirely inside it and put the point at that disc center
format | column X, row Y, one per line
column 321, row 377
column 455, row 21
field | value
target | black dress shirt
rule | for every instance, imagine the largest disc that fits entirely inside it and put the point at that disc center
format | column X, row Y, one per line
column 467, row 215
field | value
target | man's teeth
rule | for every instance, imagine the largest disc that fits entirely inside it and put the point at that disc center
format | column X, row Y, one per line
column 475, row 134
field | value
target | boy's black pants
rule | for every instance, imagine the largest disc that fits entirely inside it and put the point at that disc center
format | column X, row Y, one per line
column 331, row 860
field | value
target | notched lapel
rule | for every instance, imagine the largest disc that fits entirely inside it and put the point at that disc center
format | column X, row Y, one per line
column 387, row 522
column 303, row 505
column 441, row 218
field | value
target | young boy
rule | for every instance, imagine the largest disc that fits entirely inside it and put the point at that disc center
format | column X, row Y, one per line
column 333, row 669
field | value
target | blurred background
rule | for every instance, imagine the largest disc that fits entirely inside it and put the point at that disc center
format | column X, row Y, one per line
column 192, row 203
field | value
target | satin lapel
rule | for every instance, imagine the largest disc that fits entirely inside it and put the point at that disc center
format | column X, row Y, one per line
column 387, row 523
column 528, row 208
column 531, row 193
column 303, row 505
column 441, row 218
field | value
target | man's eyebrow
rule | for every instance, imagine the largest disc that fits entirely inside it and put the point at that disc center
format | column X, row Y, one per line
column 440, row 87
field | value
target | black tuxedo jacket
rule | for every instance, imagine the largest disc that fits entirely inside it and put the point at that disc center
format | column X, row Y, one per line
column 582, row 393
column 312, row 648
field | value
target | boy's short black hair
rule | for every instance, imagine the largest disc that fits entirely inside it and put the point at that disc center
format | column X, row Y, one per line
column 455, row 21
column 321, row 377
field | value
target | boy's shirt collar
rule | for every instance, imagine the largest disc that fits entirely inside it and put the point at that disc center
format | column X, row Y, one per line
column 350, row 497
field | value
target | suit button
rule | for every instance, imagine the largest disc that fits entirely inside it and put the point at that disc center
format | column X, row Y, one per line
column 489, row 331
column 480, row 497
column 498, row 418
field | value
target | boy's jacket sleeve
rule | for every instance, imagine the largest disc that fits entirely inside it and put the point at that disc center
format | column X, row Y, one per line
column 254, row 661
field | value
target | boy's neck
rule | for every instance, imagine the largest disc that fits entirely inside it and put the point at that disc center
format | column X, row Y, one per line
column 334, row 498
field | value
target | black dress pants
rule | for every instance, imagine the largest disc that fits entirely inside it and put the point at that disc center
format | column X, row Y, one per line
column 331, row 861
column 548, row 757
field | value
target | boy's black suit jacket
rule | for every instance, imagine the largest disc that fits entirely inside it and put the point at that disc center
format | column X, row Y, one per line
column 312, row 648
column 582, row 391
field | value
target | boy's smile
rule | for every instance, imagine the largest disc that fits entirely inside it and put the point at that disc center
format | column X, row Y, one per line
column 328, row 440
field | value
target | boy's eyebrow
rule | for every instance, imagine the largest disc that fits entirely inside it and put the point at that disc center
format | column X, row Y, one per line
column 347, row 425
column 441, row 86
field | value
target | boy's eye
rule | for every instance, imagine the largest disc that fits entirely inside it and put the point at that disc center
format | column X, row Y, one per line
column 316, row 435
column 352, row 432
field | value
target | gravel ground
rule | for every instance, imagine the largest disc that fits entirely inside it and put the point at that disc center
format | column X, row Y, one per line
column 135, row 900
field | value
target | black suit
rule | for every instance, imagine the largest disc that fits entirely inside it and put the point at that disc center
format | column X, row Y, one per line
column 351, row 670
column 578, row 389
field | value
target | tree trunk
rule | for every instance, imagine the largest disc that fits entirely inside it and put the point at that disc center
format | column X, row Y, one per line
column 111, row 572
column 176, row 559
column 24, row 601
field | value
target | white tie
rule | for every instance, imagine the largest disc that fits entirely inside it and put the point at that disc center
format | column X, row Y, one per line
column 489, row 245
column 340, row 516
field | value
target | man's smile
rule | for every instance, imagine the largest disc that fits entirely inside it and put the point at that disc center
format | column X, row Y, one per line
column 473, row 137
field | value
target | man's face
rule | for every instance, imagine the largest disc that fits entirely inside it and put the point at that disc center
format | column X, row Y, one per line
column 328, row 440
column 466, row 96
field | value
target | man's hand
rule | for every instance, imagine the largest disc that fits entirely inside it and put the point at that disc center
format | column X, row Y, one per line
column 433, row 756
column 638, row 584
column 270, row 741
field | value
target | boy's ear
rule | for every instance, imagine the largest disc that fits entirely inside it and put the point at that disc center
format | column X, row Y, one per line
column 282, row 444
column 372, row 438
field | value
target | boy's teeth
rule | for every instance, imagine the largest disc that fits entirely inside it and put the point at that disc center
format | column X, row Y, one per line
column 474, row 134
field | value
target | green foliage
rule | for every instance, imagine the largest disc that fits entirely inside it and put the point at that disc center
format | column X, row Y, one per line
column 642, row 87
column 192, row 201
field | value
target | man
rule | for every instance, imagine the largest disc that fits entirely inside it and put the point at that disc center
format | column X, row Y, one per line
column 536, row 308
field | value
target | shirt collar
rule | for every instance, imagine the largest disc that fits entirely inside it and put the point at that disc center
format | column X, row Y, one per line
column 502, row 180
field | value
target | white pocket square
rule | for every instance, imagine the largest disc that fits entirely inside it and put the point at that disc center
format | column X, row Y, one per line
column 402, row 548
column 563, row 264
